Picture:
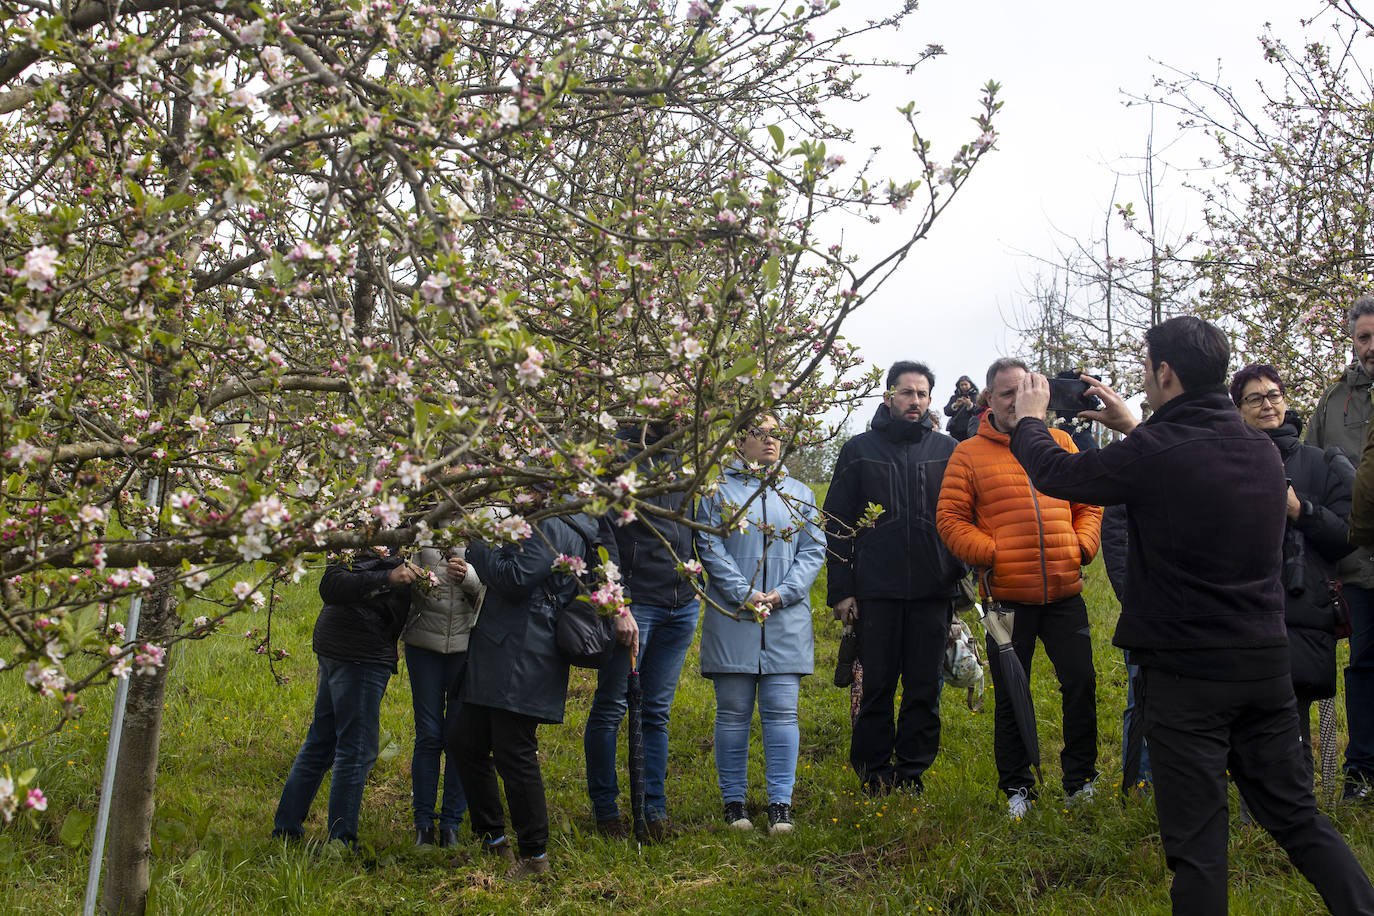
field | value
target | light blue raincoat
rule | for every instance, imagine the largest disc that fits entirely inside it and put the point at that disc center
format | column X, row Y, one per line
column 782, row 548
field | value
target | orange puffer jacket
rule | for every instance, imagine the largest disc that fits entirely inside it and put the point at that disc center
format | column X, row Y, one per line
column 990, row 516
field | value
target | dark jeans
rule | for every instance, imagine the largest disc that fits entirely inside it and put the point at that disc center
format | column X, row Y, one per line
column 1198, row 730
column 1063, row 628
column 489, row 741
column 343, row 735
column 899, row 640
column 431, row 675
column 665, row 635
column 1359, row 684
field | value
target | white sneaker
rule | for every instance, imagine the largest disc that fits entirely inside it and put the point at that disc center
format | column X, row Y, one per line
column 1084, row 794
column 1018, row 804
column 736, row 817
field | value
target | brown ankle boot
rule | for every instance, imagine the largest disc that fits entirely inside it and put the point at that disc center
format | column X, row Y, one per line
column 525, row 869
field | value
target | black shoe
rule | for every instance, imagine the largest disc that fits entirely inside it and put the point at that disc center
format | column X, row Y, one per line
column 1357, row 790
column 844, row 662
column 877, row 788
column 779, row 818
column 659, row 829
column 612, row 828
column 448, row 837
column 736, row 817
column 425, row 836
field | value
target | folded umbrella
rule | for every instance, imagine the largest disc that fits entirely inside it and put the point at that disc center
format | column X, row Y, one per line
column 999, row 624
column 1135, row 741
column 1326, row 737
column 634, row 707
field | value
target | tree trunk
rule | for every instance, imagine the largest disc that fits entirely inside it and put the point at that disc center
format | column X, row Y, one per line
column 129, row 844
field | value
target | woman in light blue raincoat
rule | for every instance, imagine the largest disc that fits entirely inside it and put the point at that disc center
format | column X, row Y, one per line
column 762, row 571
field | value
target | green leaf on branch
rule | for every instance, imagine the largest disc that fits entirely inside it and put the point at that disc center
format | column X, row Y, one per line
column 770, row 272
column 167, row 204
column 778, row 138
column 742, row 365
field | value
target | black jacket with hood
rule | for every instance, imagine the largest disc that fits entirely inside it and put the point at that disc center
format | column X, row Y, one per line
column 513, row 658
column 899, row 465
column 961, row 425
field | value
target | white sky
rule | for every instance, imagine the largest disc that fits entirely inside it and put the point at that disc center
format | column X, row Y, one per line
column 1063, row 65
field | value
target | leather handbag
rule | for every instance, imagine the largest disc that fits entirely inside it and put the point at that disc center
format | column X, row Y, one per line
column 585, row 637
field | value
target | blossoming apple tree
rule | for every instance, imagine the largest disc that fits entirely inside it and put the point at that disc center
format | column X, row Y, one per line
column 1288, row 220
column 285, row 280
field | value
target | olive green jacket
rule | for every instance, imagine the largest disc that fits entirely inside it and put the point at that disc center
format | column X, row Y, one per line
column 1342, row 419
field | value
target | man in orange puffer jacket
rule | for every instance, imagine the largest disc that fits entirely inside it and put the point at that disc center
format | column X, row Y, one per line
column 1035, row 546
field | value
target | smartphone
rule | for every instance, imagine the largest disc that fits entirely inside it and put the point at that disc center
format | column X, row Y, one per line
column 1070, row 395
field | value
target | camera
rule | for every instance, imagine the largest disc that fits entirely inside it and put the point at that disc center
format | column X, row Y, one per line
column 1070, row 395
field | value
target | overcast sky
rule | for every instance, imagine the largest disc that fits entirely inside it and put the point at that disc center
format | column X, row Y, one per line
column 1063, row 66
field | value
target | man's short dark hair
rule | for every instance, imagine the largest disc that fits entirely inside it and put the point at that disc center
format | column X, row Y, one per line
column 1196, row 350
column 902, row 366
column 1000, row 365
column 1363, row 306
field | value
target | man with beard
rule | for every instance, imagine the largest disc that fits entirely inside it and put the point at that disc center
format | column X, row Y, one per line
column 1341, row 419
column 894, row 578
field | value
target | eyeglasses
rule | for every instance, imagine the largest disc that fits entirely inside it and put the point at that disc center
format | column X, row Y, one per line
column 1256, row 399
column 758, row 432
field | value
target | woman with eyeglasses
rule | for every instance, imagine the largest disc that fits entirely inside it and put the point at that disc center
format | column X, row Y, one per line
column 760, row 574
column 1314, row 539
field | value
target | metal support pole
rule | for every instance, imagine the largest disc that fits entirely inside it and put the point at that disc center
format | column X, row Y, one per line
column 102, row 817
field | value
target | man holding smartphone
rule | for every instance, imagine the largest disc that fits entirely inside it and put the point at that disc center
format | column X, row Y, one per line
column 1203, row 614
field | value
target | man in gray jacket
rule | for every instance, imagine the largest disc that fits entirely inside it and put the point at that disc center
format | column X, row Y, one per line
column 1341, row 419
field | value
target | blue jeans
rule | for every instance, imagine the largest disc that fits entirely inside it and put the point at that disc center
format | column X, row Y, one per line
column 665, row 634
column 431, row 675
column 777, row 698
column 343, row 734
column 1132, row 710
column 1359, row 684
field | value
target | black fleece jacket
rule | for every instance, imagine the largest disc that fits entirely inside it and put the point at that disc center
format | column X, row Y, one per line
column 1206, row 499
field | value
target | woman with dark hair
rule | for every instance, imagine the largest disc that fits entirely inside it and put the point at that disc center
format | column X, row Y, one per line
column 961, row 408
column 1314, row 536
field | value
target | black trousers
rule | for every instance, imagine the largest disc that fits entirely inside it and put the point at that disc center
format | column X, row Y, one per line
column 899, row 640
column 1063, row 628
column 484, row 741
column 1197, row 730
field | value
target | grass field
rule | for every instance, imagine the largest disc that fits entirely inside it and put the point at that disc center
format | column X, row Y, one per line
column 230, row 734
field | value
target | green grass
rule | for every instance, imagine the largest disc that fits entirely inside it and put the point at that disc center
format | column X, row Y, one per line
column 230, row 734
